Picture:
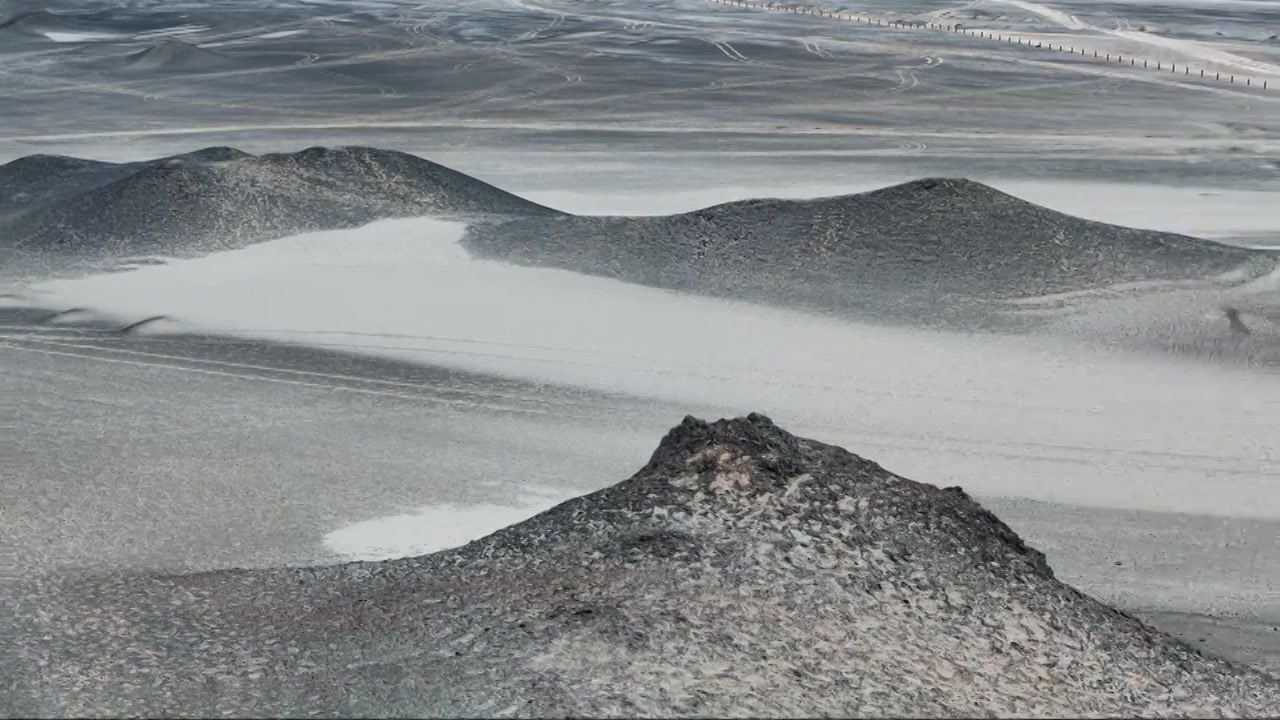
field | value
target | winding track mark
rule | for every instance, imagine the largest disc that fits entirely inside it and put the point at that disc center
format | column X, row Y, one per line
column 1124, row 30
column 263, row 378
column 145, row 96
column 556, row 22
column 79, row 344
column 811, row 46
column 1016, row 449
column 728, row 51
column 1186, row 47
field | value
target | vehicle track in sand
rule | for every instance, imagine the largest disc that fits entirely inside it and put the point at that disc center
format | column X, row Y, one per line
column 88, row 348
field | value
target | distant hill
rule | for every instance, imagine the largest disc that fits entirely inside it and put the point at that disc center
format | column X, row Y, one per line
column 74, row 20
column 225, row 197
column 38, row 22
column 178, row 56
column 922, row 246
column 34, row 182
column 34, row 20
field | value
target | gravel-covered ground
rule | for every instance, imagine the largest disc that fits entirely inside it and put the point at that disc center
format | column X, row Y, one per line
column 1147, row 483
column 742, row 571
column 926, row 250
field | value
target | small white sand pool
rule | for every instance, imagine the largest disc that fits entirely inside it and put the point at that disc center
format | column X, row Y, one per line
column 437, row 527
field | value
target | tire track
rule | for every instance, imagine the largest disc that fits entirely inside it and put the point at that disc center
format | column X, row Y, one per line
column 263, row 378
column 436, row 393
column 728, row 51
column 421, row 392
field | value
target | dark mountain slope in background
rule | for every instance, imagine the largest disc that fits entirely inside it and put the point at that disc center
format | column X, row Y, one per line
column 35, row 182
column 934, row 251
column 223, row 197
column 178, row 56
column 27, row 21
column 922, row 245
column 742, row 572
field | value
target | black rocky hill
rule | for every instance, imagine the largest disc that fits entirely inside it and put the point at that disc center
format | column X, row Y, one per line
column 743, row 571
column 177, row 56
column 224, row 197
column 922, row 243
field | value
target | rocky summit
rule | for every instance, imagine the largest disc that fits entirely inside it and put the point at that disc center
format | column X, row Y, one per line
column 743, row 571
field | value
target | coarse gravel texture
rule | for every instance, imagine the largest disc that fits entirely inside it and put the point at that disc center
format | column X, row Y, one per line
column 222, row 197
column 933, row 251
column 933, row 248
column 742, row 571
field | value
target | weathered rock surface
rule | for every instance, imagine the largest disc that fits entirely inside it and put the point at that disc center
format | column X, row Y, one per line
column 742, row 571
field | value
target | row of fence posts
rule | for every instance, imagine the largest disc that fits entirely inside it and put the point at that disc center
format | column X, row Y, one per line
column 984, row 34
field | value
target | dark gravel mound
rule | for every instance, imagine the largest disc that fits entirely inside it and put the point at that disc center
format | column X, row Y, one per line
column 219, row 197
column 178, row 56
column 34, row 21
column 742, row 571
column 31, row 19
column 926, row 246
column 35, row 182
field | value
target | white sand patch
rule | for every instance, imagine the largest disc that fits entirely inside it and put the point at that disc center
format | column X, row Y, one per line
column 437, row 527
column 59, row 36
column 278, row 34
column 171, row 32
column 1050, row 420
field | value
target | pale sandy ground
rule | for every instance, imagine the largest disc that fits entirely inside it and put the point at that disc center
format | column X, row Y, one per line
column 1164, row 466
column 1168, row 468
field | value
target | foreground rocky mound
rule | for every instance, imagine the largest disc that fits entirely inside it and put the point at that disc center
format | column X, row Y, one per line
column 224, row 197
column 742, row 571
column 926, row 246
